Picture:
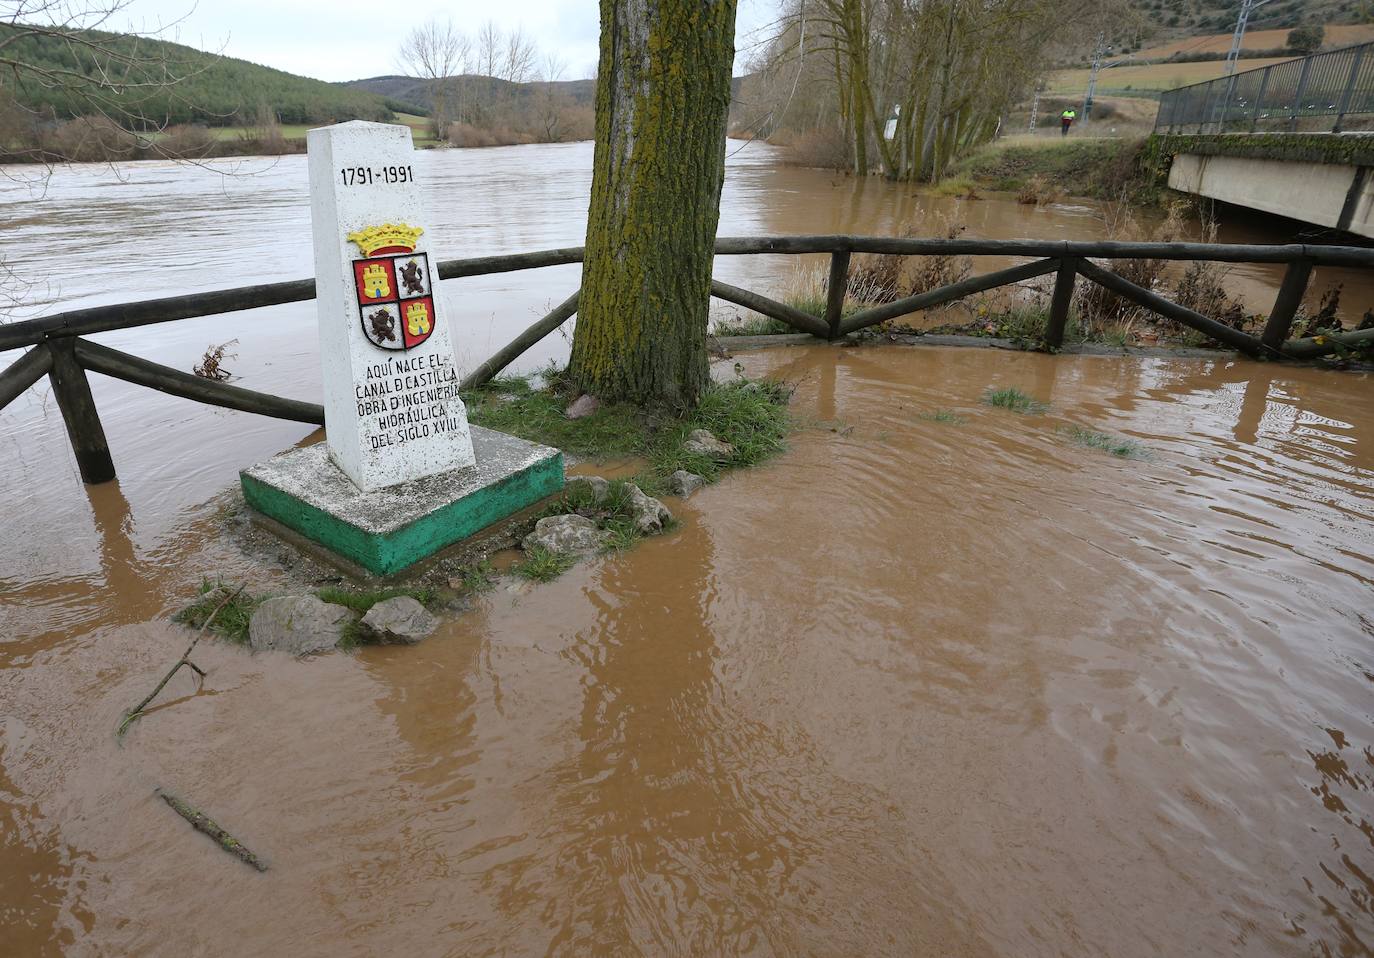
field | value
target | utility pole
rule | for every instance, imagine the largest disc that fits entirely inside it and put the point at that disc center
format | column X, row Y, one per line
column 1238, row 38
column 1101, row 50
column 1035, row 105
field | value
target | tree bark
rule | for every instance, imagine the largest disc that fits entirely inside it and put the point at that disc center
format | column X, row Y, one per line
column 662, row 95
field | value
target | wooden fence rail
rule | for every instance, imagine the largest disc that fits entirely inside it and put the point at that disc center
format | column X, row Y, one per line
column 58, row 351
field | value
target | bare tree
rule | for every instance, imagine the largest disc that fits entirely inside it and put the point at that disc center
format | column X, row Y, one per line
column 518, row 61
column 551, row 104
column 489, row 43
column 909, row 86
column 438, row 53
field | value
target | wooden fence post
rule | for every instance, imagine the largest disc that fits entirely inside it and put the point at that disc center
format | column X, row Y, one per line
column 1059, row 305
column 836, row 289
column 73, row 394
column 1286, row 303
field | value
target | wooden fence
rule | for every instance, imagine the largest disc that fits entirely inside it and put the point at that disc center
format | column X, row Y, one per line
column 59, row 351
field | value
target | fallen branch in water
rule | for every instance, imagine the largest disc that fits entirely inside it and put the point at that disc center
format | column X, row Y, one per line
column 136, row 712
column 202, row 823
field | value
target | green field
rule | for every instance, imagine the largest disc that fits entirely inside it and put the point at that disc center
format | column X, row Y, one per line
column 1151, row 79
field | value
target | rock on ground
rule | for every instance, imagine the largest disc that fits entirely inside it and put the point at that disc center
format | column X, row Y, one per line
column 583, row 405
column 600, row 487
column 683, row 483
column 650, row 515
column 572, row 535
column 299, row 624
column 399, row 620
column 701, row 441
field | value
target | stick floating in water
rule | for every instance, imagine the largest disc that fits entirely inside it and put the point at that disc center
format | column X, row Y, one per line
column 202, row 823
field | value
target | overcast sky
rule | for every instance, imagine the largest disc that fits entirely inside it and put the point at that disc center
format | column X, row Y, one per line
column 350, row 39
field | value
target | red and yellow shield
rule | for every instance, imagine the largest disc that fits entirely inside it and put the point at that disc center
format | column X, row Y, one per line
column 394, row 287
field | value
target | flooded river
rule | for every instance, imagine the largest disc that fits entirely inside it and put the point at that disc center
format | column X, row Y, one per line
column 916, row 687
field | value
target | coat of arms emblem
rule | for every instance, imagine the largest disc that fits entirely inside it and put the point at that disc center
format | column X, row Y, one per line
column 393, row 286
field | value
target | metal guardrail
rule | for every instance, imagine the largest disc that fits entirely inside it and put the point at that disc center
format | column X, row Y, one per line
column 1324, row 93
column 57, row 349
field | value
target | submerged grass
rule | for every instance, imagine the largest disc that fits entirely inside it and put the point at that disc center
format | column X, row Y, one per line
column 1009, row 397
column 543, row 565
column 943, row 415
column 1115, row 445
column 477, row 578
column 232, row 622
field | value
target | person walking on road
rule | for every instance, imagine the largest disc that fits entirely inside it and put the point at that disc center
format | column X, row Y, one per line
column 1066, row 120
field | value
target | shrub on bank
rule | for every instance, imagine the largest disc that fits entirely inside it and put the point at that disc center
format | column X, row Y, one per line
column 825, row 147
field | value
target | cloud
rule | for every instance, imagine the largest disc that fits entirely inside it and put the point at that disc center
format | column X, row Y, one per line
column 350, row 39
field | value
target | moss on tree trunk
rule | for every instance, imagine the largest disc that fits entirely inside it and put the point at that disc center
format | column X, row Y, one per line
column 662, row 96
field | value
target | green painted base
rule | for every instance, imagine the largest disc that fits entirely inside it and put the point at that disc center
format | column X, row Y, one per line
column 389, row 529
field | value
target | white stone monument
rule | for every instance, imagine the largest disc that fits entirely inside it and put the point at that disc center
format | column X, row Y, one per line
column 400, row 475
column 391, row 406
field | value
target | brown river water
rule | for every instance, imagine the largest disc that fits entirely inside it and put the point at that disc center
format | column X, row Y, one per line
column 915, row 687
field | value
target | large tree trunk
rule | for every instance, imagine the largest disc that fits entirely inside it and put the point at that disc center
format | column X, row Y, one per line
column 662, row 95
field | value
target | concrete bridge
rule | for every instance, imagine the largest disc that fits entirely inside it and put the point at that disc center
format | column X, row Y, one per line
column 1318, row 178
column 1291, row 138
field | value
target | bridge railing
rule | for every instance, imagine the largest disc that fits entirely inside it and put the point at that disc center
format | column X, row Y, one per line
column 1330, row 92
column 58, row 349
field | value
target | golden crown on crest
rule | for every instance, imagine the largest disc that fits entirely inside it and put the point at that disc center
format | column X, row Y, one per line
column 387, row 236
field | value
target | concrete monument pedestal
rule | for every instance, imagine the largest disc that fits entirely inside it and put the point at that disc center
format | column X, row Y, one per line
column 386, row 530
column 401, row 474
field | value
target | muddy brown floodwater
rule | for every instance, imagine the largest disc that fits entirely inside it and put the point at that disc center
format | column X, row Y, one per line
column 917, row 686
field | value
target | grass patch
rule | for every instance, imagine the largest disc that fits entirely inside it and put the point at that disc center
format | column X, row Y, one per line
column 512, row 405
column 477, row 578
column 956, row 186
column 1009, row 397
column 623, row 533
column 232, row 621
column 543, row 565
column 361, row 600
column 351, row 636
column 751, row 415
column 1105, row 442
column 943, row 415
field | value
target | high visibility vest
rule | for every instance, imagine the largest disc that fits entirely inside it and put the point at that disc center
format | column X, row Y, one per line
column 1068, row 115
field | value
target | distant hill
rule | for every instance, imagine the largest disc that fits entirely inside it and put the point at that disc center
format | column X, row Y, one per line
column 1169, row 20
column 1220, row 43
column 414, row 91
column 216, row 90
